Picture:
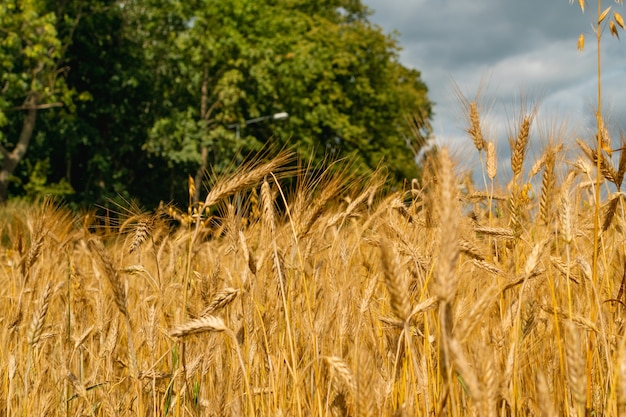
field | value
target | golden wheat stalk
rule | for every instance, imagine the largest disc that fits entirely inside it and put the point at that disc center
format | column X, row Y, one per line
column 546, row 403
column 247, row 253
column 142, row 231
column 111, row 273
column 468, row 248
column 426, row 305
column 220, row 300
column 36, row 324
column 80, row 389
column 487, row 266
column 532, row 262
column 598, row 157
column 396, row 285
column 499, row 232
column 244, row 179
column 267, row 202
column 621, row 165
column 548, row 182
column 492, row 164
column 575, row 364
column 34, row 251
column 340, row 370
column 200, row 325
column 520, row 145
column 482, row 195
column 474, row 129
column 448, row 234
column 490, row 384
column 610, row 209
column 566, row 216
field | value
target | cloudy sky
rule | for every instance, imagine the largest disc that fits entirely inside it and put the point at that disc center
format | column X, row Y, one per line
column 514, row 49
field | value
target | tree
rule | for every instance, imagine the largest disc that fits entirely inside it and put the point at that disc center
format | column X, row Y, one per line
column 101, row 138
column 140, row 94
column 31, row 78
column 336, row 74
column 90, row 149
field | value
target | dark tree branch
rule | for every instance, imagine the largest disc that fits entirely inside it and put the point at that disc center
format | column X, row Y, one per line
column 38, row 106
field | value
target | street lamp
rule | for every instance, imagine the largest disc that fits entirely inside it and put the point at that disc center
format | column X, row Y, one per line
column 238, row 126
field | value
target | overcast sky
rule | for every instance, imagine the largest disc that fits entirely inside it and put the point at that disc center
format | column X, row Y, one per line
column 517, row 48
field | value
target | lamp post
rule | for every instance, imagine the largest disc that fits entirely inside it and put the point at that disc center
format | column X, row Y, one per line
column 238, row 126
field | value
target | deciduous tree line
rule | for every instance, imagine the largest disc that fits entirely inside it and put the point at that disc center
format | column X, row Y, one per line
column 132, row 97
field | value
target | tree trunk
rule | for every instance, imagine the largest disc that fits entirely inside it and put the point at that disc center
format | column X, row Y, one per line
column 11, row 159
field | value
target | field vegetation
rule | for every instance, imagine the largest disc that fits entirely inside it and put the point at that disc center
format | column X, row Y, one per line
column 340, row 297
column 316, row 291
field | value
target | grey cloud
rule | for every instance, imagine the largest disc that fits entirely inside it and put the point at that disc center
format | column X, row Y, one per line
column 518, row 46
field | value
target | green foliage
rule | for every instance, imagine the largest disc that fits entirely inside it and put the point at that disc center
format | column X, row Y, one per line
column 39, row 185
column 29, row 52
column 337, row 75
column 137, row 95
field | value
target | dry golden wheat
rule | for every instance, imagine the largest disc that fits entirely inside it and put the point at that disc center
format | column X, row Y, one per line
column 492, row 165
column 267, row 201
column 520, row 145
column 220, row 300
column 200, row 325
column 394, row 281
column 36, row 324
column 475, row 130
column 244, row 179
column 111, row 274
column 344, row 297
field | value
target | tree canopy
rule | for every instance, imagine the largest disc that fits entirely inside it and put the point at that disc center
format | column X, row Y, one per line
column 132, row 96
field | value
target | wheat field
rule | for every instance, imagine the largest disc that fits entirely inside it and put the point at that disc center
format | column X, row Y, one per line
column 340, row 297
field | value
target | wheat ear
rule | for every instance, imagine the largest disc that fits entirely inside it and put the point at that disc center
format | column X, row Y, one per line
column 575, row 364
column 621, row 166
column 267, row 202
column 215, row 324
column 142, row 231
column 200, row 325
column 548, row 182
column 244, row 179
column 474, row 129
column 492, row 165
column 119, row 294
column 36, row 324
column 520, row 145
column 220, row 300
column 112, row 275
column 396, row 286
column 448, row 234
column 606, row 169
